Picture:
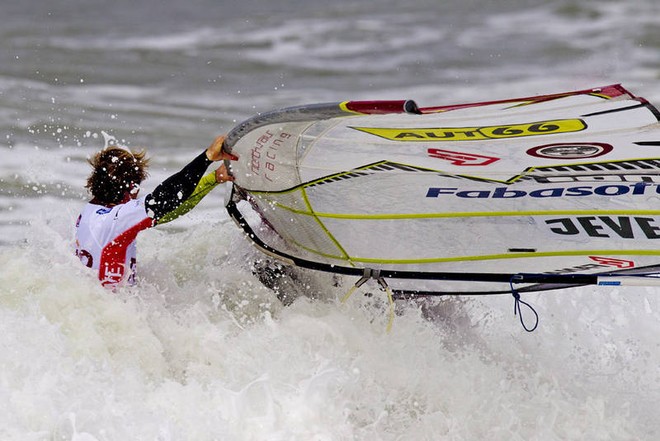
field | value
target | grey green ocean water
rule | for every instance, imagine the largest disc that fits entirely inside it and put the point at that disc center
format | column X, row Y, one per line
column 200, row 350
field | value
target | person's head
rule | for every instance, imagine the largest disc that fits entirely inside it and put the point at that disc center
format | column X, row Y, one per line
column 116, row 175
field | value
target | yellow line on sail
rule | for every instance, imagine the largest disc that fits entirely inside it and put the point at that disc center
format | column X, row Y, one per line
column 327, row 232
column 462, row 214
column 502, row 256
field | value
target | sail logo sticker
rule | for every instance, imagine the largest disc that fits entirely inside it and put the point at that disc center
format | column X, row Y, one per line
column 625, row 227
column 636, row 189
column 462, row 159
column 611, row 261
column 437, row 134
column 570, row 150
column 263, row 155
column 602, row 262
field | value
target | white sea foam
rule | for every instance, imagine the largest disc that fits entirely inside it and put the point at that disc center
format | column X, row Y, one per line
column 207, row 355
column 201, row 349
column 164, row 42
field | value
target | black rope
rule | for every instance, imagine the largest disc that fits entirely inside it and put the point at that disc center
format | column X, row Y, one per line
column 518, row 311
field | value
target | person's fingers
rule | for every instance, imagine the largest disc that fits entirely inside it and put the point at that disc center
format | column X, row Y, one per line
column 229, row 156
column 222, row 175
column 218, row 141
column 216, row 151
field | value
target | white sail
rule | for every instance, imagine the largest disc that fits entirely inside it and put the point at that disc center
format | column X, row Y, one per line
column 551, row 185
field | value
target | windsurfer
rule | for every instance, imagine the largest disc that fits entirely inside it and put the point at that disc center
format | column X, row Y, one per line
column 108, row 225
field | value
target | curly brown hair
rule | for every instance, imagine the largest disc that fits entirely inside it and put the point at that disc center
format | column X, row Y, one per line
column 115, row 171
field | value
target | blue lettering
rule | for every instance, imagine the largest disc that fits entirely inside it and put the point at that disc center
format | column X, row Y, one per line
column 579, row 191
column 619, row 189
column 474, row 194
column 503, row 192
column 434, row 192
column 547, row 193
column 638, row 188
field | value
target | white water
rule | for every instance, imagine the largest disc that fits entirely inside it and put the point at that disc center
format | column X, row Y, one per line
column 218, row 357
column 200, row 350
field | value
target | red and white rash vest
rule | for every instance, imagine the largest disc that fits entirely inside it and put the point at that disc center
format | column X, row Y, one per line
column 105, row 239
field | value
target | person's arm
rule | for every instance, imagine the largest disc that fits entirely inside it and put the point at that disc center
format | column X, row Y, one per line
column 205, row 185
column 172, row 192
column 178, row 188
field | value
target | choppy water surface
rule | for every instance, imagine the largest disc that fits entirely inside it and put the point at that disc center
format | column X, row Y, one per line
column 201, row 350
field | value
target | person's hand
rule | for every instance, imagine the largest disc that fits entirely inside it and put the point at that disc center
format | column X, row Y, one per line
column 215, row 151
column 222, row 175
